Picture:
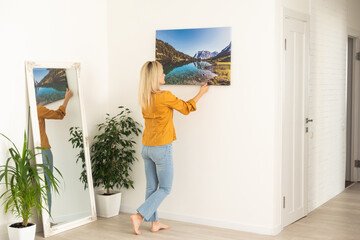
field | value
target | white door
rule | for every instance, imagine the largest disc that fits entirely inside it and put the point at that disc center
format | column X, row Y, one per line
column 294, row 121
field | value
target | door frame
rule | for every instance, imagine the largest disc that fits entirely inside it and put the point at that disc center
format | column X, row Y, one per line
column 355, row 154
column 291, row 14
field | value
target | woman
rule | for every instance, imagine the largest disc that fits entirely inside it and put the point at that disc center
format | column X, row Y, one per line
column 47, row 157
column 157, row 109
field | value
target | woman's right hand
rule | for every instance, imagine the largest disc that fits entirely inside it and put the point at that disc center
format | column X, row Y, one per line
column 68, row 94
column 204, row 88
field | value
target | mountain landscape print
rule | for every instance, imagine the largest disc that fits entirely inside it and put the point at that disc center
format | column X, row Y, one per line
column 195, row 56
column 50, row 85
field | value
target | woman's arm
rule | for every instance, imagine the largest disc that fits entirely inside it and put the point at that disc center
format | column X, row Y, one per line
column 68, row 95
column 203, row 89
column 46, row 113
column 184, row 107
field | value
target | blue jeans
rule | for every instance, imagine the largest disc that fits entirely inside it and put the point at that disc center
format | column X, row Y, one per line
column 50, row 165
column 159, row 172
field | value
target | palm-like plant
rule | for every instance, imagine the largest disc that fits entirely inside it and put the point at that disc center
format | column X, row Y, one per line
column 23, row 181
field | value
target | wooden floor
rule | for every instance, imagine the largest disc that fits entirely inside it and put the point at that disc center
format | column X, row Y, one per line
column 338, row 219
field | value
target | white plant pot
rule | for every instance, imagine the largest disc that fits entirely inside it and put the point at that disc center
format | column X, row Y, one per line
column 107, row 205
column 27, row 233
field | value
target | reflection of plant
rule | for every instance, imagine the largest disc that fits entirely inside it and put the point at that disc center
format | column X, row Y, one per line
column 77, row 142
column 23, row 182
column 112, row 151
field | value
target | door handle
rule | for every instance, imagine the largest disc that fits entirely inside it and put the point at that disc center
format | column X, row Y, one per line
column 308, row 120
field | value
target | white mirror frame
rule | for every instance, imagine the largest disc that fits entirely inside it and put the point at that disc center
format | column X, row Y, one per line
column 30, row 65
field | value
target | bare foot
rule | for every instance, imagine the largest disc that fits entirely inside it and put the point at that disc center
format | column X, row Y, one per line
column 156, row 226
column 136, row 220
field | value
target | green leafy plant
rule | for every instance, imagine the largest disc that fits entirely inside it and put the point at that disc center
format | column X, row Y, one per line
column 113, row 151
column 76, row 140
column 23, row 179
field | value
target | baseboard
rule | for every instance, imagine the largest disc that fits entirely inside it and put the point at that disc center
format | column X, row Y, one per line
column 277, row 230
column 211, row 222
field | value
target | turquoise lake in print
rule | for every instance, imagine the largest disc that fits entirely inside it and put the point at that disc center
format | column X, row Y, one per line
column 195, row 73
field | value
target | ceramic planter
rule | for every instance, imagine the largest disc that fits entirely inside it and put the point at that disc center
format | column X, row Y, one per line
column 107, row 205
column 27, row 233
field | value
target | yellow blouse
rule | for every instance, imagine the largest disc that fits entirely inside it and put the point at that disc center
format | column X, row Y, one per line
column 159, row 125
column 45, row 113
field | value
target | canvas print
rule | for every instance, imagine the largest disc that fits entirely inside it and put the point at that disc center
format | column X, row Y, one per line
column 195, row 56
column 50, row 85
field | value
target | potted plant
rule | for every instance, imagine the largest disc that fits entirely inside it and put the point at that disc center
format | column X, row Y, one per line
column 112, row 155
column 23, row 179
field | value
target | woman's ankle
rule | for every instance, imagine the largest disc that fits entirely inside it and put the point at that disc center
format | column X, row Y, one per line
column 140, row 216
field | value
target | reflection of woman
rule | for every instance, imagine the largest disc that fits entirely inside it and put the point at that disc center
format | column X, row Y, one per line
column 45, row 113
column 157, row 109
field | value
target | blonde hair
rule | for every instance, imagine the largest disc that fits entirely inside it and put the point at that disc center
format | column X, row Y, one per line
column 150, row 73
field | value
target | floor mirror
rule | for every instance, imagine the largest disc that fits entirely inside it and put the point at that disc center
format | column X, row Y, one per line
column 56, row 106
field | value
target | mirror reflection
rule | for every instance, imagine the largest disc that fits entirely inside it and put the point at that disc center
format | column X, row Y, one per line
column 58, row 108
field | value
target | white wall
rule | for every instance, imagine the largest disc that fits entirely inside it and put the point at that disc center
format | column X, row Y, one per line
column 353, row 16
column 224, row 155
column 302, row 6
column 327, row 89
column 42, row 30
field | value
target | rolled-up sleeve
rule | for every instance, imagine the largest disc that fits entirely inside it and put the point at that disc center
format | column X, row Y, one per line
column 179, row 105
column 46, row 113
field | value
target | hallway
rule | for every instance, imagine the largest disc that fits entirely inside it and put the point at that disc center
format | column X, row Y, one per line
column 337, row 219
